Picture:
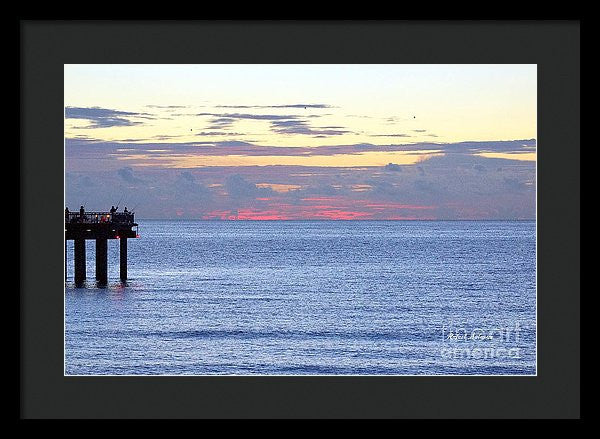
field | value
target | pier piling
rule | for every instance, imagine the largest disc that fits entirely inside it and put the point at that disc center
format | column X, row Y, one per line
column 102, row 261
column 79, row 261
column 123, row 258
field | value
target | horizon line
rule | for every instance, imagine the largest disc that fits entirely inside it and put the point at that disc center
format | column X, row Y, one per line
column 330, row 219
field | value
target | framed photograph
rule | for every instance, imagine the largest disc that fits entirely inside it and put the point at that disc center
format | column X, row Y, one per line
column 333, row 226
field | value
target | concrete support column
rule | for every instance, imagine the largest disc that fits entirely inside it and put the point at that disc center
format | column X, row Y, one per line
column 79, row 261
column 123, row 258
column 102, row 261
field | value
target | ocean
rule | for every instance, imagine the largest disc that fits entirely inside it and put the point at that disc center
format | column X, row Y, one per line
column 309, row 298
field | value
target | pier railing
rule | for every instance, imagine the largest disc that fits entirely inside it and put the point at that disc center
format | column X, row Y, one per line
column 99, row 217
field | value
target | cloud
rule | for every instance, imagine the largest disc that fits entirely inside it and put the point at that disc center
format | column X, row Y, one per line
column 280, row 123
column 393, row 167
column 220, row 123
column 505, row 146
column 86, row 181
column 167, row 106
column 294, row 126
column 234, row 143
column 157, row 137
column 249, row 116
column 238, row 188
column 467, row 160
column 452, row 189
column 513, row 184
column 80, row 181
column 224, row 120
column 93, row 153
column 218, row 133
column 187, row 177
column 390, row 135
column 186, row 189
column 104, row 117
column 127, row 175
column 277, row 106
column 427, row 186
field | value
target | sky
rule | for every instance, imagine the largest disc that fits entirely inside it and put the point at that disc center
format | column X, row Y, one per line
column 295, row 142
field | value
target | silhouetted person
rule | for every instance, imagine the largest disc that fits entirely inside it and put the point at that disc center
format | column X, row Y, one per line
column 81, row 213
column 125, row 210
column 113, row 210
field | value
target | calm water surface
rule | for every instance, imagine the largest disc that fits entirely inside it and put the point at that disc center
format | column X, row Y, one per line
column 314, row 297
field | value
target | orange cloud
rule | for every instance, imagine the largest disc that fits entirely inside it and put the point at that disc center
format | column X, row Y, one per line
column 279, row 187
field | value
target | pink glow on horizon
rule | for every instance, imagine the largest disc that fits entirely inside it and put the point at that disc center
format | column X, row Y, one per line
column 218, row 214
column 253, row 214
column 329, row 208
column 320, row 199
column 397, row 206
column 339, row 214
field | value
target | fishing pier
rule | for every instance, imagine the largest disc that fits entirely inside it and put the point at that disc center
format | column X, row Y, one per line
column 101, row 226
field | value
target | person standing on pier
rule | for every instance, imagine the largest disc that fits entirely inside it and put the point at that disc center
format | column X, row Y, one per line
column 81, row 213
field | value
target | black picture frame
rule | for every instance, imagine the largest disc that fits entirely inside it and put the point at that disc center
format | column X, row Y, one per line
column 45, row 46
